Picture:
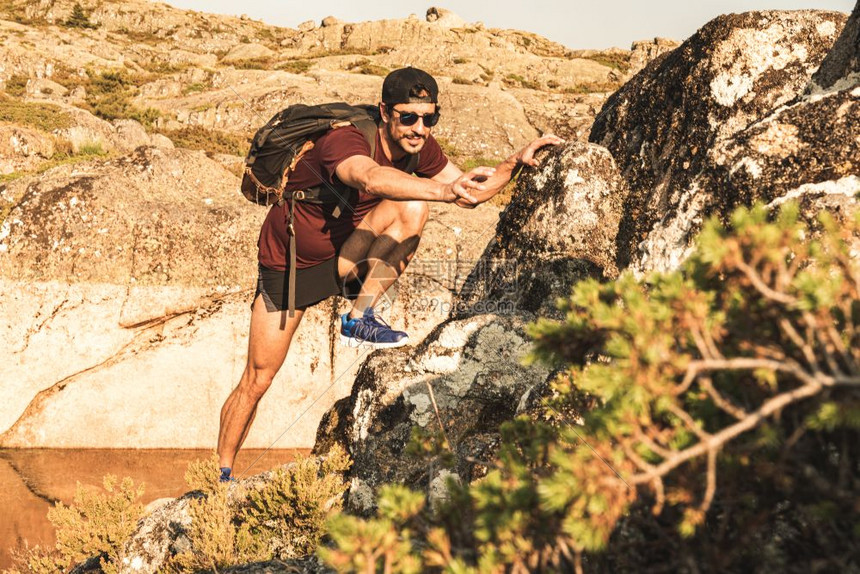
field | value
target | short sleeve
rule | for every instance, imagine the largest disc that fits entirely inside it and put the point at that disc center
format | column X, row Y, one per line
column 336, row 146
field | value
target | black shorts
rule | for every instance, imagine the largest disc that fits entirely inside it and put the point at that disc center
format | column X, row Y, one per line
column 313, row 284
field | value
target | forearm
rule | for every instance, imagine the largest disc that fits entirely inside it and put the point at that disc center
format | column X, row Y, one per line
column 505, row 171
column 392, row 183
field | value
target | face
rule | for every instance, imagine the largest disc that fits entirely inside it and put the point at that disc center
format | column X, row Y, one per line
column 409, row 138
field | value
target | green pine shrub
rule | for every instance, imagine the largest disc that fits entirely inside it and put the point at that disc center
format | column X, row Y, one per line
column 706, row 416
column 96, row 524
column 287, row 517
column 79, row 19
column 283, row 519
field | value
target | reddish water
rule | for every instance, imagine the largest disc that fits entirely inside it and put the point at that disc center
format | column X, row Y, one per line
column 32, row 479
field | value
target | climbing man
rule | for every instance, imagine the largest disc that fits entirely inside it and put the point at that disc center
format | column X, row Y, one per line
column 361, row 250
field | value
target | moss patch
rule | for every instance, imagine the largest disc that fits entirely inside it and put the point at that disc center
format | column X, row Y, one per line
column 45, row 117
column 213, row 141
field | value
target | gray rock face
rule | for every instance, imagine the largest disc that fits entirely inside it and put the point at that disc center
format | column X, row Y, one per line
column 559, row 227
column 159, row 535
column 661, row 126
column 807, row 151
column 470, row 367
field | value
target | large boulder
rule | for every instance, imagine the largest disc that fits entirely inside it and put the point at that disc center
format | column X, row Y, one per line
column 807, row 152
column 662, row 126
column 560, row 226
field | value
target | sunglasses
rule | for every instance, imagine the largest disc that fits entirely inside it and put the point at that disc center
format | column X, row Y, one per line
column 410, row 118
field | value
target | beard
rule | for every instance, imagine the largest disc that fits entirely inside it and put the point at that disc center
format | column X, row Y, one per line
column 412, row 143
column 409, row 141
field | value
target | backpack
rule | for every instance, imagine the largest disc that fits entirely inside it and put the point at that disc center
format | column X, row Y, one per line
column 278, row 147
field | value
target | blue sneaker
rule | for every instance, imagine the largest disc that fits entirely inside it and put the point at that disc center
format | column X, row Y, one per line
column 226, row 475
column 370, row 330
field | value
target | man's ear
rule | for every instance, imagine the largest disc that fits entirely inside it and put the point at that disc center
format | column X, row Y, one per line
column 383, row 112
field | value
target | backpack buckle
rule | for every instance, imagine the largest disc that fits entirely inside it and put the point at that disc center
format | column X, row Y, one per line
column 299, row 195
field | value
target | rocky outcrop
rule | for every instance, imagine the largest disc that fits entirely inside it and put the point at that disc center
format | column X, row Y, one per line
column 560, row 227
column 467, row 378
column 468, row 369
column 663, row 125
column 643, row 52
column 231, row 74
column 23, row 148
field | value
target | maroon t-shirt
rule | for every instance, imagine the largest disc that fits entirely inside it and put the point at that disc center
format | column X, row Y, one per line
column 319, row 234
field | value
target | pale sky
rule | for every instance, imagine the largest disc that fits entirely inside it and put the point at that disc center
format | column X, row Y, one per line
column 574, row 23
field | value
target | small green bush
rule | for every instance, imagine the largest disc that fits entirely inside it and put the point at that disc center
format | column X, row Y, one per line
column 516, row 80
column 194, row 88
column 79, row 19
column 96, row 524
column 365, row 66
column 592, row 88
column 296, row 66
column 209, row 140
column 620, row 62
column 252, row 64
column 45, row 117
column 16, row 85
column 286, row 518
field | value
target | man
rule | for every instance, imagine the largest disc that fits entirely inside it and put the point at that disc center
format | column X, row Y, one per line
column 367, row 246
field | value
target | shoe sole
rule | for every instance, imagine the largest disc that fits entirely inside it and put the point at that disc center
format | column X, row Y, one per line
column 356, row 343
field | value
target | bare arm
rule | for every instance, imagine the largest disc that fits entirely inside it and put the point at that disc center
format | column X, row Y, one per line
column 499, row 177
column 361, row 172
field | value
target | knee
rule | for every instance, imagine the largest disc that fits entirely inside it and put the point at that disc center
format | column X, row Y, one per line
column 256, row 382
column 414, row 213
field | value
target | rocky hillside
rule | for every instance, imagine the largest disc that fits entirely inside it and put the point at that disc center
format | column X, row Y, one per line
column 124, row 245
column 174, row 69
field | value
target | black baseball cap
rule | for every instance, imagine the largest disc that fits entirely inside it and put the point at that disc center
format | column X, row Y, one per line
column 402, row 86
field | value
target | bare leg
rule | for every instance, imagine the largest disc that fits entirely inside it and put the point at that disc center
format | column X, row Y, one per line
column 382, row 246
column 268, row 344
